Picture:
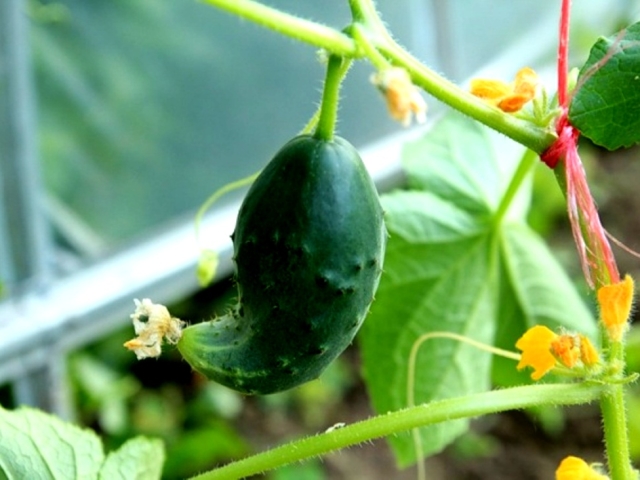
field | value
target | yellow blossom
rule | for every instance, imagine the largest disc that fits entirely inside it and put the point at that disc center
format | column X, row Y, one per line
column 566, row 348
column 574, row 468
column 403, row 98
column 542, row 349
column 588, row 353
column 616, row 301
column 508, row 97
column 536, row 351
column 526, row 82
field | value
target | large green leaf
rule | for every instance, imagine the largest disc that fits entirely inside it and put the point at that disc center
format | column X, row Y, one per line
column 453, row 266
column 137, row 459
column 34, row 444
column 605, row 106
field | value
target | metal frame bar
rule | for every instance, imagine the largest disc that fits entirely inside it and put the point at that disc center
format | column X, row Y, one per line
column 26, row 259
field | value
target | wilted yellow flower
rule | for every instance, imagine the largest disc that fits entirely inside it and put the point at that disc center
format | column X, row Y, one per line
column 616, row 301
column 574, row 468
column 508, row 97
column 403, row 98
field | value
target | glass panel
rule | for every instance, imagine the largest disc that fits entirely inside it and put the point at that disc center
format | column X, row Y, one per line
column 146, row 107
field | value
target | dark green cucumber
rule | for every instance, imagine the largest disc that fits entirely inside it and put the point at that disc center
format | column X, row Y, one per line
column 309, row 244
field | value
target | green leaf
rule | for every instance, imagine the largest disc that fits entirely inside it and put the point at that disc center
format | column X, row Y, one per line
column 34, row 444
column 137, row 459
column 455, row 264
column 605, row 106
column 432, row 282
column 465, row 164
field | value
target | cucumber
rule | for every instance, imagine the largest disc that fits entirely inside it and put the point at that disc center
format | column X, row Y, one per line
column 308, row 248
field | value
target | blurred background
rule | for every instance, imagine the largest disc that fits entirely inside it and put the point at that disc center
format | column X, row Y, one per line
column 118, row 119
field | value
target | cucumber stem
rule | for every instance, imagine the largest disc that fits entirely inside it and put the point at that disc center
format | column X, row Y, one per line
column 337, row 68
column 402, row 420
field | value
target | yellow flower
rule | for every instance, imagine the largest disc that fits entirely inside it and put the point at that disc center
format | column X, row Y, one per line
column 574, row 468
column 566, row 348
column 507, row 97
column 536, row 351
column 403, row 98
column 542, row 349
column 616, row 301
column 588, row 353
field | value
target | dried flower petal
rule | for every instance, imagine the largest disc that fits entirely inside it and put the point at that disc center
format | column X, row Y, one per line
column 152, row 324
column 574, row 468
column 535, row 345
column 403, row 98
column 616, row 301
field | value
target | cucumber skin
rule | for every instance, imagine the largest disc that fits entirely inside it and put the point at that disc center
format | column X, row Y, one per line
column 309, row 245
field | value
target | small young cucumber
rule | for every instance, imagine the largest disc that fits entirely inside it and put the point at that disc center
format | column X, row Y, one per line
column 309, row 244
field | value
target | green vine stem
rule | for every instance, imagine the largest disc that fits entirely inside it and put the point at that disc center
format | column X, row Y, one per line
column 404, row 420
column 531, row 136
column 298, row 28
column 337, row 68
column 613, row 409
column 229, row 187
column 528, row 161
column 362, row 39
column 616, row 437
column 357, row 12
column 536, row 138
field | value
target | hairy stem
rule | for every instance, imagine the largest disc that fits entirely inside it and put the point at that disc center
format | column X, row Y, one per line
column 614, row 419
column 529, row 160
column 337, row 68
column 407, row 419
column 535, row 138
column 295, row 27
column 616, row 437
